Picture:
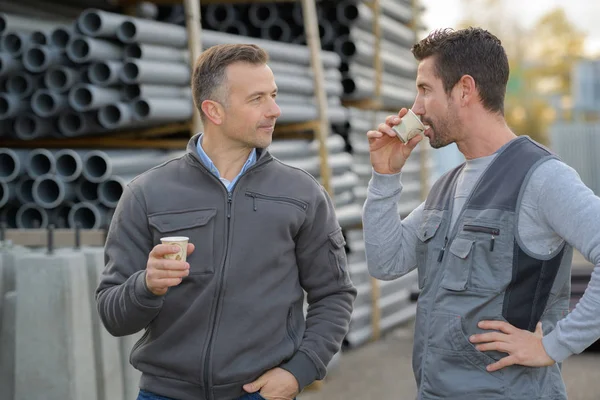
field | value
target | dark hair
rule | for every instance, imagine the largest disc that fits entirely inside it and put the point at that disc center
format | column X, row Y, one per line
column 209, row 72
column 472, row 51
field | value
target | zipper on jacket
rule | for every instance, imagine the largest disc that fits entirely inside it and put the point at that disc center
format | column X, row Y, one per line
column 484, row 229
column 281, row 199
column 441, row 255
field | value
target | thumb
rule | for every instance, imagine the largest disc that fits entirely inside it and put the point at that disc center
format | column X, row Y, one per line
column 538, row 329
column 254, row 386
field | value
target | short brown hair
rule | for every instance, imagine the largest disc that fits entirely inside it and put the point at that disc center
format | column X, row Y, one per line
column 209, row 72
column 472, row 51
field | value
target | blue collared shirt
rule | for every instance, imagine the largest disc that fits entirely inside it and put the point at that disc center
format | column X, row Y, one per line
column 211, row 166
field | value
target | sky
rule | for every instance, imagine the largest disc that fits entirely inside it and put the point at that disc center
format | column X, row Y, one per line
column 585, row 14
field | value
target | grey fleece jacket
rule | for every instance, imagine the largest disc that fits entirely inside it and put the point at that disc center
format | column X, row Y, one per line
column 240, row 311
column 556, row 206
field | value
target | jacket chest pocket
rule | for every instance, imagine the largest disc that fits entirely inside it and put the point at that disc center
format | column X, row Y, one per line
column 479, row 259
column 425, row 234
column 198, row 226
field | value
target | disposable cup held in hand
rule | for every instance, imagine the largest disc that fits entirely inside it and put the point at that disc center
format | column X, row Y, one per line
column 409, row 127
column 180, row 241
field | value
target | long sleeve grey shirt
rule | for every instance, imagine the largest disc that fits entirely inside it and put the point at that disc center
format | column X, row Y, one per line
column 556, row 206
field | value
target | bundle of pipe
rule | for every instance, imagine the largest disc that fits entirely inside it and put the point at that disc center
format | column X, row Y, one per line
column 343, row 180
column 346, row 27
column 68, row 188
column 106, row 72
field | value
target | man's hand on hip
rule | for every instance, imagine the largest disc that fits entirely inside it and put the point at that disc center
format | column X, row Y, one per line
column 275, row 384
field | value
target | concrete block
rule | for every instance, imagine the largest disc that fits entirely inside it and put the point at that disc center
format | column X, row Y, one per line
column 54, row 354
column 7, row 347
column 131, row 375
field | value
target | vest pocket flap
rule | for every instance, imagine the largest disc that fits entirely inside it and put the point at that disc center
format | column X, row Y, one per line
column 169, row 222
column 429, row 227
column 337, row 239
column 461, row 247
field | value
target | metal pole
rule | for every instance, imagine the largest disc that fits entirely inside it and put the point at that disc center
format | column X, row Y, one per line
column 194, row 33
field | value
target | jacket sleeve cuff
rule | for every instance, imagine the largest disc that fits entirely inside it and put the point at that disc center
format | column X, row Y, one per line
column 385, row 185
column 142, row 295
column 303, row 369
column 557, row 351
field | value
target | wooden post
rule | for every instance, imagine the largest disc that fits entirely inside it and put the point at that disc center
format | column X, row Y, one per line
column 309, row 11
column 194, row 34
column 378, row 63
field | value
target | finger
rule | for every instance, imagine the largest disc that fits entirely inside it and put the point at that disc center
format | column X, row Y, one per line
column 403, row 111
column 374, row 134
column 538, row 329
column 503, row 363
column 163, row 263
column 413, row 142
column 161, row 250
column 190, row 248
column 392, row 120
column 255, row 386
column 168, row 282
column 497, row 326
column 489, row 337
column 493, row 346
column 386, row 129
column 168, row 273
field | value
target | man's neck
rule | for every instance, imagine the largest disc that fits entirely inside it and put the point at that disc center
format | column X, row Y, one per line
column 485, row 137
column 228, row 159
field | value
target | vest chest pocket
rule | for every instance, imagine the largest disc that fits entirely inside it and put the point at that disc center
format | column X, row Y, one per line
column 198, row 225
column 425, row 234
column 457, row 270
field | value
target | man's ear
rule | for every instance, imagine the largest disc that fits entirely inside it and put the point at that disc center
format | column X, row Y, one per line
column 213, row 111
column 467, row 90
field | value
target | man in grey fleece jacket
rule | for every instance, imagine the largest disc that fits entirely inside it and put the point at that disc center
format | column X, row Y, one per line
column 228, row 323
column 492, row 242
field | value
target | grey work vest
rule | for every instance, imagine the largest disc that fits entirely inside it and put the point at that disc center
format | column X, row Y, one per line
column 481, row 270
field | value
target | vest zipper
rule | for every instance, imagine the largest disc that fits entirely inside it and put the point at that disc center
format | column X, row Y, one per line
column 441, row 255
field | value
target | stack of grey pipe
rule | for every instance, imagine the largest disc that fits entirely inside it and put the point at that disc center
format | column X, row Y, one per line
column 346, row 27
column 68, row 188
column 52, row 344
column 107, row 71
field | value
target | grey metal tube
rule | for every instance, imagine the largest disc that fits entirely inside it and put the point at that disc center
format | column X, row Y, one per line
column 155, row 52
column 358, row 70
column 132, row 92
column 29, row 126
column 262, row 14
column 23, row 84
column 86, row 190
column 105, row 73
column 23, row 189
column 15, row 43
column 292, row 113
column 59, row 216
column 347, row 12
column 155, row 72
column 110, row 191
column 7, row 193
column 9, row 64
column 144, row 31
column 12, row 164
column 40, row 162
column 392, row 63
column 395, row 97
column 49, row 191
column 31, row 216
column 84, row 97
column 46, row 103
column 38, row 58
column 305, row 85
column 117, row 115
column 390, row 29
column 344, row 46
column 278, row 30
column 97, row 23
column 12, row 105
column 40, row 38
column 12, row 22
column 238, row 29
column 84, row 49
column 9, row 214
column 221, row 14
column 73, row 124
column 162, row 110
column 60, row 78
column 358, row 35
column 98, row 165
column 68, row 165
column 397, row 10
column 60, row 37
column 87, row 215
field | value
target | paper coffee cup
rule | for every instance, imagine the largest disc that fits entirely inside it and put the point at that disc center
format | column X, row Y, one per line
column 180, row 241
column 409, row 127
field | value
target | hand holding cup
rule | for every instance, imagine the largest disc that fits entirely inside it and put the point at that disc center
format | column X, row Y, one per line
column 167, row 265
